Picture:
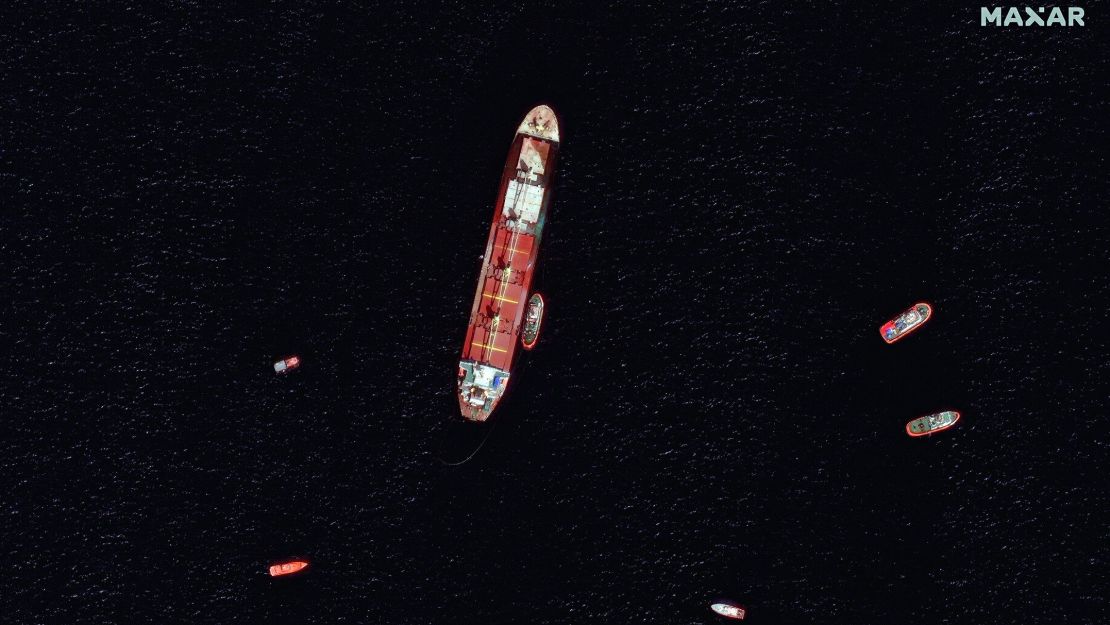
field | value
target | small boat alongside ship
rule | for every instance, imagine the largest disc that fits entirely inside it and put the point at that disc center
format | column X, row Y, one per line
column 931, row 424
column 533, row 319
column 729, row 609
column 905, row 323
column 287, row 568
column 287, row 364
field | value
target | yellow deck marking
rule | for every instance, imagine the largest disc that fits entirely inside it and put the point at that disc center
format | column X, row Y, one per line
column 498, row 297
column 508, row 271
column 496, row 349
column 511, row 249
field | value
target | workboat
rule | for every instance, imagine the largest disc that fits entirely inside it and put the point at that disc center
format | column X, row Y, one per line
column 533, row 318
column 729, row 609
column 286, row 568
column 288, row 364
column 497, row 316
column 931, row 424
column 906, row 322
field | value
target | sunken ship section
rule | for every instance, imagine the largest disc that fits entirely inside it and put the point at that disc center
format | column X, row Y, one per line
column 505, row 279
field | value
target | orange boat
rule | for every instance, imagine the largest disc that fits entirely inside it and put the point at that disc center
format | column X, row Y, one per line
column 729, row 609
column 286, row 568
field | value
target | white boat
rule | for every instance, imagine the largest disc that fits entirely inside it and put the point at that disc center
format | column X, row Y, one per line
column 291, row 362
column 729, row 609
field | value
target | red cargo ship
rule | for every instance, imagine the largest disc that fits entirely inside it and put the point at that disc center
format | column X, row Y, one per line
column 497, row 316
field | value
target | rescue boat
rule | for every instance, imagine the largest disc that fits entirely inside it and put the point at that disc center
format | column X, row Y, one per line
column 907, row 322
column 287, row 568
column 533, row 319
column 931, row 424
column 290, row 363
column 729, row 609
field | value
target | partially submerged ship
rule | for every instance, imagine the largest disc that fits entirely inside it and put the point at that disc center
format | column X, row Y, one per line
column 900, row 326
column 533, row 319
column 504, row 283
column 931, row 424
column 729, row 609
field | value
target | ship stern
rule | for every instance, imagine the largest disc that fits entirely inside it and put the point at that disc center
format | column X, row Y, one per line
column 480, row 388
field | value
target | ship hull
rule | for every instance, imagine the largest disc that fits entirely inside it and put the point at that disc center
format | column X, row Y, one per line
column 505, row 278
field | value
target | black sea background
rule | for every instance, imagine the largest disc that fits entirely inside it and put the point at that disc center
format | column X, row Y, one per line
column 746, row 191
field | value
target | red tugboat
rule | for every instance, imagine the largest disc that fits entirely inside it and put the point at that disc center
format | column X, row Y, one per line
column 931, row 424
column 729, row 609
column 533, row 319
column 898, row 327
column 287, row 568
column 505, row 280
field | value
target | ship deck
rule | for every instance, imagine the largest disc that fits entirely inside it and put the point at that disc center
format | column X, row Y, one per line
column 500, row 302
column 499, row 314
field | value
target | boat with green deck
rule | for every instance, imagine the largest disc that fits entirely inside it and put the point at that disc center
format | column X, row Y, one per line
column 930, row 424
column 533, row 319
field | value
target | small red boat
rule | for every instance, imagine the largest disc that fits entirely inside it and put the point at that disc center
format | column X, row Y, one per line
column 907, row 322
column 286, row 568
column 931, row 424
column 729, row 609
column 288, row 364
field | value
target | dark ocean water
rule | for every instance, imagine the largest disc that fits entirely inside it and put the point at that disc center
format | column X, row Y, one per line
column 745, row 193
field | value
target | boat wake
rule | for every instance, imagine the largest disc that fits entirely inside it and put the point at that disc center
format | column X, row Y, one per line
column 462, row 436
